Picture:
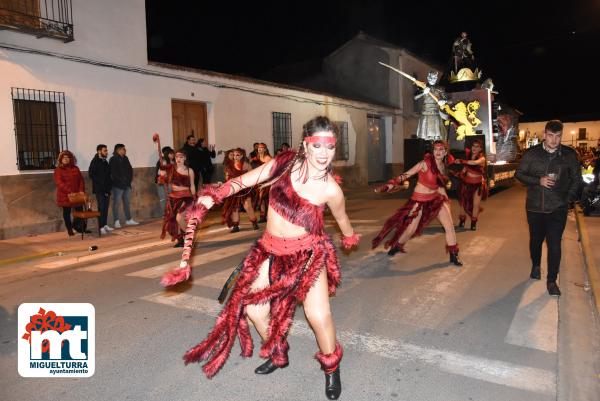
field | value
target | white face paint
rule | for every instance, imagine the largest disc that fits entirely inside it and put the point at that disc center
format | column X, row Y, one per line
column 439, row 152
column 320, row 154
column 432, row 79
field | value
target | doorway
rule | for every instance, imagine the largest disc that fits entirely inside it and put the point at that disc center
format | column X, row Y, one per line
column 377, row 138
column 189, row 118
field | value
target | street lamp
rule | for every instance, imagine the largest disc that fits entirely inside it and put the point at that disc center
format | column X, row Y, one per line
column 573, row 138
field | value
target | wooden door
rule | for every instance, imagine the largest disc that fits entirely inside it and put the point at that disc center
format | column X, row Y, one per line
column 188, row 118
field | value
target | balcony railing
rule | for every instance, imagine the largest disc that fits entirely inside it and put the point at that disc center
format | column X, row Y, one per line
column 42, row 18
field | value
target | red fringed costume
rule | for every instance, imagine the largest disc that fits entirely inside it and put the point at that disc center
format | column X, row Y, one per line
column 469, row 186
column 233, row 203
column 428, row 204
column 177, row 202
column 294, row 266
column 260, row 196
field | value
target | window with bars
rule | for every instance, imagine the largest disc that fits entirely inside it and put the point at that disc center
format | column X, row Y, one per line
column 341, row 148
column 40, row 127
column 282, row 130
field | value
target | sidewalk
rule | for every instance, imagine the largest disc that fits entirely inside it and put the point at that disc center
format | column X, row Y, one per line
column 21, row 253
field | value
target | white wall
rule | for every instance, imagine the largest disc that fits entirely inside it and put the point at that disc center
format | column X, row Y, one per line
column 106, row 30
column 107, row 105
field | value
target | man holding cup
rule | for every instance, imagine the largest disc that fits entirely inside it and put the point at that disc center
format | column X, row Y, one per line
column 552, row 176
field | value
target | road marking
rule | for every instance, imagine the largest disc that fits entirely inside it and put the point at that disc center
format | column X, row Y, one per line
column 535, row 324
column 128, row 261
column 102, row 255
column 431, row 299
column 492, row 371
column 198, row 259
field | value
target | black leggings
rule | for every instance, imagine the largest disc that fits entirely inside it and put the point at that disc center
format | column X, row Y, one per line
column 78, row 224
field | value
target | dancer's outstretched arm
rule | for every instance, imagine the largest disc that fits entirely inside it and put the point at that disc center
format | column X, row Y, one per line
column 248, row 180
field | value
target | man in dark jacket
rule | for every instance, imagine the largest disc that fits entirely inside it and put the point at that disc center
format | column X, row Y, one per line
column 99, row 173
column 206, row 153
column 552, row 175
column 194, row 157
column 121, row 174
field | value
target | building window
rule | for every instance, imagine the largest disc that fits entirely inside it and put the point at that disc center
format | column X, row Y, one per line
column 40, row 127
column 341, row 148
column 282, row 130
column 582, row 134
column 42, row 18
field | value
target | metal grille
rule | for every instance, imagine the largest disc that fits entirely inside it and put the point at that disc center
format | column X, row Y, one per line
column 341, row 149
column 282, row 129
column 42, row 18
column 40, row 127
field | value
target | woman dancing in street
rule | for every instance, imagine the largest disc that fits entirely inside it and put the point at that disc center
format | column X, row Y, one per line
column 262, row 193
column 429, row 200
column 294, row 262
column 231, row 207
column 473, row 187
column 181, row 180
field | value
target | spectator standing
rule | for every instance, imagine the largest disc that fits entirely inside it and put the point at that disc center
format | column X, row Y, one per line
column 121, row 174
column 193, row 157
column 254, row 152
column 207, row 153
column 552, row 175
column 99, row 173
column 68, row 180
column 168, row 155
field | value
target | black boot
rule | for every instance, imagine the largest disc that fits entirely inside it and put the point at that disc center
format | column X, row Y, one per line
column 536, row 273
column 455, row 259
column 266, row 368
column 254, row 225
column 453, row 251
column 461, row 221
column 69, row 227
column 395, row 249
column 179, row 243
column 473, row 224
column 235, row 229
column 333, row 384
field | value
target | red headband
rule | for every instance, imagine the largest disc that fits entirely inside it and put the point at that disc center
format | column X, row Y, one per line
column 322, row 139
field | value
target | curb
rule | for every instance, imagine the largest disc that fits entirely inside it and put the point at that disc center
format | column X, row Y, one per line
column 24, row 258
column 592, row 270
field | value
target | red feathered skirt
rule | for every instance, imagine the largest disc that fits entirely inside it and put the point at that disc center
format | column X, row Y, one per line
column 177, row 202
column 469, row 186
column 233, row 204
column 295, row 265
column 428, row 204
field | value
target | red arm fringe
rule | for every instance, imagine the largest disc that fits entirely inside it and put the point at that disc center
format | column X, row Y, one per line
column 351, row 241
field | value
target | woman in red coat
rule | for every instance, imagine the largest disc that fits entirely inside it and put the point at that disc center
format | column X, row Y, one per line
column 68, row 180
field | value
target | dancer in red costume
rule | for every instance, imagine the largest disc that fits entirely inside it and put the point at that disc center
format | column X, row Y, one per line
column 473, row 187
column 261, row 202
column 181, row 179
column 294, row 262
column 429, row 200
column 231, row 207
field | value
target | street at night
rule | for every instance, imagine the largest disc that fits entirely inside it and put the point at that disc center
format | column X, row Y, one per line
column 413, row 326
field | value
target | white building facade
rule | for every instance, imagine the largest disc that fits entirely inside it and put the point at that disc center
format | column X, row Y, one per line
column 101, row 88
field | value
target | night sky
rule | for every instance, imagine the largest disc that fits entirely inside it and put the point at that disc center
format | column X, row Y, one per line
column 542, row 56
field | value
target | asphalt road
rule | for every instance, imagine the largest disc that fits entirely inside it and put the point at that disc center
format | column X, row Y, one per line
column 413, row 326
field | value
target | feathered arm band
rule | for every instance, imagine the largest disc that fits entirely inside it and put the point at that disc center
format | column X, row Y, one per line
column 348, row 242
